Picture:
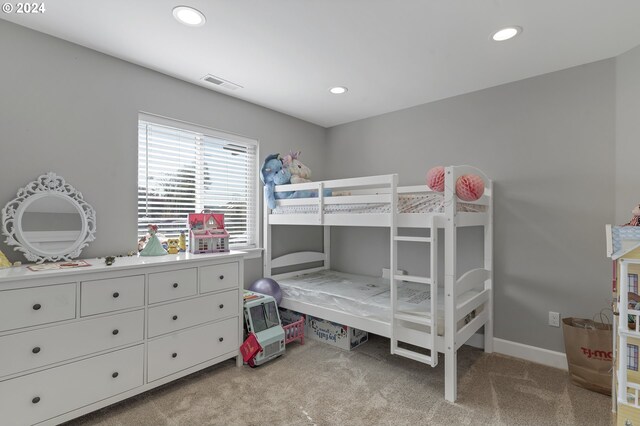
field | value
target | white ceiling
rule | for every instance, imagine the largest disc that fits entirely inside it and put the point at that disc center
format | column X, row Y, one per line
column 390, row 54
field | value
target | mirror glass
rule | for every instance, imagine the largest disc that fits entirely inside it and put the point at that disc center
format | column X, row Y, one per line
column 51, row 224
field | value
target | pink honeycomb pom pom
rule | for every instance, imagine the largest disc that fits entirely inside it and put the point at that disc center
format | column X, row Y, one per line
column 435, row 179
column 469, row 187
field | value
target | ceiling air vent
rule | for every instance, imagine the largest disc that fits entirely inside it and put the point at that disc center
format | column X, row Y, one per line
column 221, row 82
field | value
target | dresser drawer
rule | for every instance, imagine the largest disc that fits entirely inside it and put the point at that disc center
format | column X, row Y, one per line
column 37, row 348
column 112, row 294
column 36, row 397
column 37, row 305
column 178, row 351
column 219, row 277
column 172, row 285
column 179, row 315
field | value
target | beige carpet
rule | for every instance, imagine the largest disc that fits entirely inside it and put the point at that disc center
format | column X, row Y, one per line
column 316, row 384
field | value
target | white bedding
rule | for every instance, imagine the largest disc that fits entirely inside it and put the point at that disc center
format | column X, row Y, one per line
column 407, row 203
column 367, row 297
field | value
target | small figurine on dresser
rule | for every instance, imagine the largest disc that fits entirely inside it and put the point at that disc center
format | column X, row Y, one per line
column 182, row 242
column 4, row 262
column 141, row 243
column 635, row 220
column 153, row 246
column 173, row 245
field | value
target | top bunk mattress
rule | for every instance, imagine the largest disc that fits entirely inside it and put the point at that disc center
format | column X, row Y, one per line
column 418, row 202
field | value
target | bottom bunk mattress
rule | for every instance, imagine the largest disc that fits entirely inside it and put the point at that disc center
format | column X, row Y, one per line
column 362, row 296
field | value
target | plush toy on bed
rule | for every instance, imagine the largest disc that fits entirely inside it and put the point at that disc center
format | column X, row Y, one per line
column 299, row 172
column 273, row 173
column 635, row 220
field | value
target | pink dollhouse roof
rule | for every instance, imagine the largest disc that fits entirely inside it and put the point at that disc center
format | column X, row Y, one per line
column 205, row 218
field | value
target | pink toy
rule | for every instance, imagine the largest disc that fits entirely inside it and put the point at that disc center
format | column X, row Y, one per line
column 207, row 233
column 469, row 187
column 250, row 348
column 294, row 331
column 435, row 179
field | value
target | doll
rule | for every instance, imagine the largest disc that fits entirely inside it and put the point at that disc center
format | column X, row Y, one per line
column 153, row 246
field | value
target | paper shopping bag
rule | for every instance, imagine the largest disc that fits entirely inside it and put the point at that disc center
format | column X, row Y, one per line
column 589, row 348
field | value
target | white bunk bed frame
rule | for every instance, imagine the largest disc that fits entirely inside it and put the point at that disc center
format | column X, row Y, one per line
column 404, row 327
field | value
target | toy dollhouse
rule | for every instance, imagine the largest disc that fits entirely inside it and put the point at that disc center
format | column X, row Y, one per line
column 207, row 233
column 623, row 247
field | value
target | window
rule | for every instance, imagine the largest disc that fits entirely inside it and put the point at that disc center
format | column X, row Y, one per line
column 185, row 169
column 633, row 283
column 632, row 357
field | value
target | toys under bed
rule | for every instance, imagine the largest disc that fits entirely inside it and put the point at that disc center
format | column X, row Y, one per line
column 364, row 296
column 293, row 330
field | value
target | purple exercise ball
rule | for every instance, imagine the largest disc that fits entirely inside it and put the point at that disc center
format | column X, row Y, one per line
column 267, row 286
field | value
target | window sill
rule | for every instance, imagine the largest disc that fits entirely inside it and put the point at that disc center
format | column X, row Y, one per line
column 252, row 253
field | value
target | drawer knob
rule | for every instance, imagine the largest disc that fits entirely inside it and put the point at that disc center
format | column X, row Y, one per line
column 221, row 339
column 114, row 375
column 221, row 306
column 175, row 285
column 175, row 317
column 37, row 307
column 173, row 355
column 221, row 277
column 36, row 400
column 116, row 295
column 116, row 331
column 36, row 350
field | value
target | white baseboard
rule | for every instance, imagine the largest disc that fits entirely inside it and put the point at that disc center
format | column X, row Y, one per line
column 530, row 353
column 522, row 351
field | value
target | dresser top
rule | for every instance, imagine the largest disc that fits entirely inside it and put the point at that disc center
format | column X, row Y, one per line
column 21, row 273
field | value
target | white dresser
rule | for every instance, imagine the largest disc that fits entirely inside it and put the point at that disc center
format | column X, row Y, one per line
column 75, row 340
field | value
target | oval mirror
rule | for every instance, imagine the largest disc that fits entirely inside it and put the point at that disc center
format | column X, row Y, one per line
column 49, row 220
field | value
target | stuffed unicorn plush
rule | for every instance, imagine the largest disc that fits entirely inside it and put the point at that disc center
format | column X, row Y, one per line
column 299, row 172
column 273, row 173
column 276, row 171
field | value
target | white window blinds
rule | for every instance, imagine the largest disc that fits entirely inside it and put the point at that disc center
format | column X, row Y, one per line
column 184, row 169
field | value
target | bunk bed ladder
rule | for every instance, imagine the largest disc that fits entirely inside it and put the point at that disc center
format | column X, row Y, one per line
column 400, row 319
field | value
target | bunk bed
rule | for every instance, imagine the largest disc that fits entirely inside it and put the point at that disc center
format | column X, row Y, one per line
column 395, row 305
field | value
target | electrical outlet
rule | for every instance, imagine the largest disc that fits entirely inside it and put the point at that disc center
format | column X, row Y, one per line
column 554, row 319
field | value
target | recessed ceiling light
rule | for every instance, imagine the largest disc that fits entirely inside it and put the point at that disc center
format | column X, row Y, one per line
column 338, row 90
column 506, row 33
column 189, row 16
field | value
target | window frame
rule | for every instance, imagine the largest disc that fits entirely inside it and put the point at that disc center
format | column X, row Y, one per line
column 632, row 357
column 633, row 283
column 219, row 134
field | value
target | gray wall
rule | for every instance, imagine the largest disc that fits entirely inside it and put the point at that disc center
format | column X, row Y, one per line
column 74, row 111
column 548, row 144
column 627, row 133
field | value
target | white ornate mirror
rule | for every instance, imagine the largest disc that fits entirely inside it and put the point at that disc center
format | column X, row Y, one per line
column 49, row 220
